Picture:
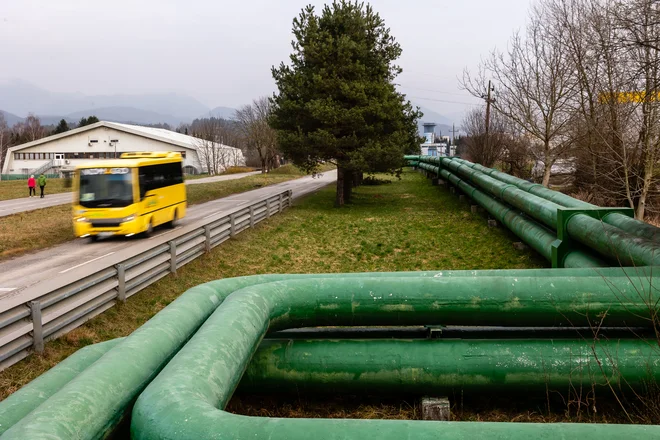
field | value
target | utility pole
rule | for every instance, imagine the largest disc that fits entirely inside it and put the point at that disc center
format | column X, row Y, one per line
column 489, row 100
column 453, row 138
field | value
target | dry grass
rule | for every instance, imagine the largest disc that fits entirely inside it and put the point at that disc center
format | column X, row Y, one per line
column 408, row 225
column 483, row 408
column 238, row 170
column 40, row 229
column 16, row 189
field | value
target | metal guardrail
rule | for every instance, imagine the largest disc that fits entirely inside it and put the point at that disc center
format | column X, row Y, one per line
column 37, row 314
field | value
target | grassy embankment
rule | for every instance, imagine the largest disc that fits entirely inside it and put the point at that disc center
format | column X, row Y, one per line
column 18, row 189
column 405, row 225
column 42, row 228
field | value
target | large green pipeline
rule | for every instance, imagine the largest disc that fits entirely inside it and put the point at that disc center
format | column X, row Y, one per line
column 185, row 401
column 537, row 237
column 608, row 240
column 435, row 366
column 92, row 404
column 29, row 397
column 623, row 222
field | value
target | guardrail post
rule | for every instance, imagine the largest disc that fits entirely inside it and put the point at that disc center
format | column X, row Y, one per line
column 37, row 329
column 280, row 201
column 289, row 195
column 173, row 257
column 268, row 207
column 207, row 242
column 252, row 216
column 232, row 225
column 121, row 282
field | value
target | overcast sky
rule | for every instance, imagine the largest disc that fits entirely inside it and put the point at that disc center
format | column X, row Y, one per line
column 221, row 51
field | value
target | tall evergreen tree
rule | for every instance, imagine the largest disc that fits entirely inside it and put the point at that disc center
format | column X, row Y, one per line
column 87, row 121
column 337, row 101
column 61, row 127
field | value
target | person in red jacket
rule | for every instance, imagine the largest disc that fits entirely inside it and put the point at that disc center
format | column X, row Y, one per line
column 32, row 185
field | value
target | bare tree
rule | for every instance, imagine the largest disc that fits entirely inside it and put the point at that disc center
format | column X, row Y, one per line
column 215, row 156
column 481, row 147
column 613, row 46
column 259, row 136
column 534, row 87
column 5, row 139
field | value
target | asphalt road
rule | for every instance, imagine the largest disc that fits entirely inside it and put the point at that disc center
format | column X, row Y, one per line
column 42, row 266
column 13, row 206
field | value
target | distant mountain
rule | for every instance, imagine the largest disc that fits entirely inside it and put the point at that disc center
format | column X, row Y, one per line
column 431, row 116
column 10, row 118
column 125, row 114
column 221, row 112
column 20, row 97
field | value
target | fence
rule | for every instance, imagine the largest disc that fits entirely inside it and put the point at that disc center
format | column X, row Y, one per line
column 37, row 314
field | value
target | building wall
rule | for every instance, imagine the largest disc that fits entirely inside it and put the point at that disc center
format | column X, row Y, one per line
column 80, row 148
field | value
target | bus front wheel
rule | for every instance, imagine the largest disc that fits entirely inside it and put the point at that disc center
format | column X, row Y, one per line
column 175, row 219
column 150, row 229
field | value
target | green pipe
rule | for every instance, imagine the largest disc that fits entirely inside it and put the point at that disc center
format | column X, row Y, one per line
column 537, row 237
column 185, row 401
column 435, row 366
column 91, row 405
column 623, row 222
column 22, row 402
column 608, row 240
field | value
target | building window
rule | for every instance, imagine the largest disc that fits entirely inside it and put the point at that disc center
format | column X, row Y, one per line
column 93, row 141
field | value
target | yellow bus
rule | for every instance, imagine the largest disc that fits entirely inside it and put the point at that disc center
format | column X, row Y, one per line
column 128, row 196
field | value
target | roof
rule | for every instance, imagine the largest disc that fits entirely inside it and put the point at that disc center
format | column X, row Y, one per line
column 125, row 163
column 159, row 134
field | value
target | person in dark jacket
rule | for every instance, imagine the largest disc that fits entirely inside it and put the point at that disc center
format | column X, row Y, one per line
column 42, row 184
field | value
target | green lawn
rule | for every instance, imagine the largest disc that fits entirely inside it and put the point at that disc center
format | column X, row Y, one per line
column 16, row 189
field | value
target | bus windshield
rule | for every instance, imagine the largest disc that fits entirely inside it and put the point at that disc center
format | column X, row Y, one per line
column 105, row 187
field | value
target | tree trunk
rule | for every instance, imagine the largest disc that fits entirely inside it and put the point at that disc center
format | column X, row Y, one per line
column 339, row 200
column 348, row 185
column 547, row 167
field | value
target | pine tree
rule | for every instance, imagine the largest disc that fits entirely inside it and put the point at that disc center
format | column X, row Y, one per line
column 61, row 127
column 337, row 101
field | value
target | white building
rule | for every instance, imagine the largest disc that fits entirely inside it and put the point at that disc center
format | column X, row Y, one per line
column 106, row 140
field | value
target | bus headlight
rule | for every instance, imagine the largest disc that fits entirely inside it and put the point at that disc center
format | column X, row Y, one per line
column 81, row 219
column 128, row 219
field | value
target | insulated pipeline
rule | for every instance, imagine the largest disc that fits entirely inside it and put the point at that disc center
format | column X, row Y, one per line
column 537, row 237
column 623, row 222
column 610, row 241
column 183, row 401
column 435, row 366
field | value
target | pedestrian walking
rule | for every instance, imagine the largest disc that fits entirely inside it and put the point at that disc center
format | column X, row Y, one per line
column 32, row 185
column 42, row 184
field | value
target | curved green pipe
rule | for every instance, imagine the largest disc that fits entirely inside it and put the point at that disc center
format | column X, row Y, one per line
column 434, row 366
column 623, row 222
column 183, row 401
column 536, row 236
column 22, row 402
column 92, row 404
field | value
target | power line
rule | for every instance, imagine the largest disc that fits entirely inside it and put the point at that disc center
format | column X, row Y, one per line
column 443, row 100
column 435, row 91
column 425, row 74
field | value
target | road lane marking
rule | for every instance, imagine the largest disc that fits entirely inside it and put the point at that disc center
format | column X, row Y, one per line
column 7, row 289
column 82, row 264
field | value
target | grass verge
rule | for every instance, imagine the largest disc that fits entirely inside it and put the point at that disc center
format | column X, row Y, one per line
column 18, row 189
column 407, row 225
column 42, row 228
